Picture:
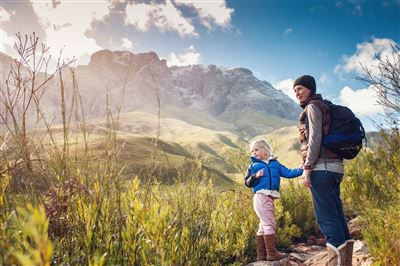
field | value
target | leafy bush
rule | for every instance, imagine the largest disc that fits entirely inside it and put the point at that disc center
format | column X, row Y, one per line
column 296, row 200
column 191, row 222
column 32, row 246
column 372, row 191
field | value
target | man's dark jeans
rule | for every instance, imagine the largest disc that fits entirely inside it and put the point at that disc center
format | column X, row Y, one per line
column 328, row 206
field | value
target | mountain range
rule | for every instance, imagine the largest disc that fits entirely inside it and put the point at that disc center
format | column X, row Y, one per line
column 214, row 97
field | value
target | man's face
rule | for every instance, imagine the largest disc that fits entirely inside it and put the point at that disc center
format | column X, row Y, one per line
column 302, row 93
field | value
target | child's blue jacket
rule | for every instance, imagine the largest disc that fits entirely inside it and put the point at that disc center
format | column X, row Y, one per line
column 273, row 171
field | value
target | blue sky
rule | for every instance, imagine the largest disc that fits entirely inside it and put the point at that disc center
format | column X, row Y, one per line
column 276, row 40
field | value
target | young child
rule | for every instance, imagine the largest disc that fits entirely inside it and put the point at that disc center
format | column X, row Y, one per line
column 263, row 176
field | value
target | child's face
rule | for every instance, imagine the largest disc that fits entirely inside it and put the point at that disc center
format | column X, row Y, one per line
column 259, row 153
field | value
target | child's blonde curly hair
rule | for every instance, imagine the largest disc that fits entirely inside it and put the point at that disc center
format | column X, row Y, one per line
column 263, row 144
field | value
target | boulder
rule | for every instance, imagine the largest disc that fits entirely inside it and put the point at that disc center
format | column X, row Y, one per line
column 355, row 228
column 282, row 262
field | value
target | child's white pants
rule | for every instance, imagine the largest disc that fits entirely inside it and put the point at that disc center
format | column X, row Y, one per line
column 265, row 209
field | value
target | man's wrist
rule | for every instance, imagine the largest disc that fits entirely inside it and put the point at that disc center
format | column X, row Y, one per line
column 307, row 167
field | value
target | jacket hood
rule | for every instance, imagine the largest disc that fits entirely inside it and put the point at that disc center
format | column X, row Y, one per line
column 271, row 157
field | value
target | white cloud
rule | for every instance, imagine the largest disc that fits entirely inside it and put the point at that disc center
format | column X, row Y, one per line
column 362, row 101
column 210, row 12
column 7, row 41
column 139, row 15
column 288, row 31
column 189, row 57
column 126, row 44
column 4, row 15
column 66, row 25
column 163, row 16
column 286, row 86
column 367, row 55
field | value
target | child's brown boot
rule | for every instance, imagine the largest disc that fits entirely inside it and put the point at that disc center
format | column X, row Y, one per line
column 261, row 251
column 272, row 252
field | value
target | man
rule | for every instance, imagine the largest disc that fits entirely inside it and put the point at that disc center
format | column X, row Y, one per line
column 323, row 171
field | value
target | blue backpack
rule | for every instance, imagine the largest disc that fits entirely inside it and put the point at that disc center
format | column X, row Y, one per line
column 345, row 133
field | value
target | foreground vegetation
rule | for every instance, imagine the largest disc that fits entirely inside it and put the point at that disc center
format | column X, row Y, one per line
column 372, row 192
column 129, row 222
column 98, row 217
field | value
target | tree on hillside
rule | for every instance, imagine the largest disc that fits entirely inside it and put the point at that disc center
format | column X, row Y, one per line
column 386, row 82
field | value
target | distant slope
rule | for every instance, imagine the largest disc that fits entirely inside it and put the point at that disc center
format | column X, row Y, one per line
column 257, row 123
column 172, row 161
column 210, row 145
column 179, row 144
column 285, row 142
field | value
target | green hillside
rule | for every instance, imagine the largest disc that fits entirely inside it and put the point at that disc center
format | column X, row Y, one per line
column 180, row 145
column 256, row 123
column 285, row 143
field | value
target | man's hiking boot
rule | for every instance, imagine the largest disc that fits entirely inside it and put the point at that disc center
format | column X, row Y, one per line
column 349, row 252
column 336, row 255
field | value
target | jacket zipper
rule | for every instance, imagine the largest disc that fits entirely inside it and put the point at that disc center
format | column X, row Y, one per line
column 270, row 178
column 270, row 175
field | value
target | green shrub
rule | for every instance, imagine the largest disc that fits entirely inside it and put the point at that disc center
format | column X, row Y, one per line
column 372, row 190
column 191, row 222
column 296, row 200
column 32, row 246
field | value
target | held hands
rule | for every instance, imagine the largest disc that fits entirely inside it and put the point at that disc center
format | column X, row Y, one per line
column 305, row 177
column 260, row 173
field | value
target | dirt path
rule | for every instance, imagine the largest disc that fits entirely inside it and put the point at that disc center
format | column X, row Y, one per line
column 310, row 254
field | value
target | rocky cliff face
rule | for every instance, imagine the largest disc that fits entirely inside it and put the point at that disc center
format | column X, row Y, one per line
column 134, row 81
column 223, row 91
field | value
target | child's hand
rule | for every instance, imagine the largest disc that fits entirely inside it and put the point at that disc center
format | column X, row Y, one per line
column 260, row 173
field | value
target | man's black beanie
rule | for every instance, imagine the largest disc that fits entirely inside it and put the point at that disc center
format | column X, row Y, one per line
column 307, row 81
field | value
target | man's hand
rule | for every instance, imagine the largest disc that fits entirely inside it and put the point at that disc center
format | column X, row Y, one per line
column 305, row 177
column 260, row 173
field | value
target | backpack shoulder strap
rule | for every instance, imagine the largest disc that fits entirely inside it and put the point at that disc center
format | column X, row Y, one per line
column 324, row 107
column 322, row 104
